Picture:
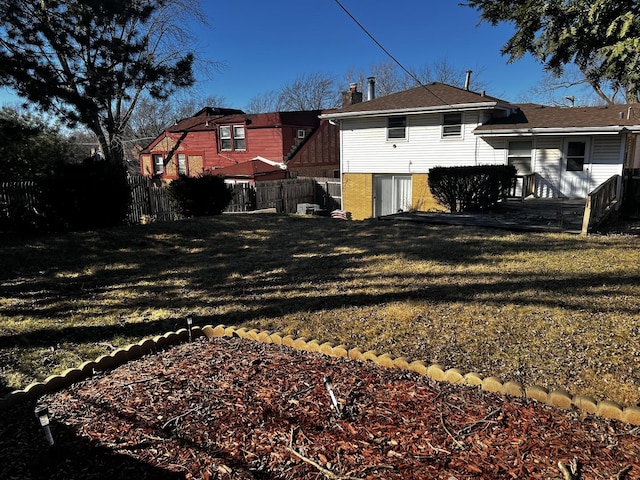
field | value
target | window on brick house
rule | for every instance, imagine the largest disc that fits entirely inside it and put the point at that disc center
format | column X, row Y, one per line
column 158, row 164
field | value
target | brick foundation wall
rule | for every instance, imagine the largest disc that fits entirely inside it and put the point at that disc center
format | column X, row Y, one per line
column 421, row 198
column 357, row 195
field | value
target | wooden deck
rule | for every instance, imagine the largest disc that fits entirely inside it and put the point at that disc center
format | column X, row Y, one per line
column 532, row 215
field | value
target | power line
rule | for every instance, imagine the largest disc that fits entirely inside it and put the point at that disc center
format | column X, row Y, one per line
column 379, row 44
column 389, row 53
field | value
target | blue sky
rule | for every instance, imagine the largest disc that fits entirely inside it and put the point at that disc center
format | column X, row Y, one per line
column 265, row 44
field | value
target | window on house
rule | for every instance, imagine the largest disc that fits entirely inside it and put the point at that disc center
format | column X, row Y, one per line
column 225, row 137
column 452, row 125
column 182, row 164
column 520, row 156
column 576, row 152
column 158, row 164
column 232, row 137
column 396, row 127
column 238, row 138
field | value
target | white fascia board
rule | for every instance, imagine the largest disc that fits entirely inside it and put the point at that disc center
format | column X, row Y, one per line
column 280, row 165
column 524, row 132
column 460, row 107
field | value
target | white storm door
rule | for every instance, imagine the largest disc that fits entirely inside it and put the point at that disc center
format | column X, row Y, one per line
column 391, row 194
column 576, row 167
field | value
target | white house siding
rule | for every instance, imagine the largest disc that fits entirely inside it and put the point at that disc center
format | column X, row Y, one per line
column 607, row 159
column 491, row 151
column 546, row 163
column 365, row 148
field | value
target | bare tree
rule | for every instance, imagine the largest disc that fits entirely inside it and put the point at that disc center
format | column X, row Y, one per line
column 390, row 78
column 313, row 91
column 153, row 116
column 264, row 102
column 572, row 88
column 387, row 75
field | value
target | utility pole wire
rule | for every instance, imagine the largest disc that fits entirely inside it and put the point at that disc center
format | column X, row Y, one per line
column 389, row 53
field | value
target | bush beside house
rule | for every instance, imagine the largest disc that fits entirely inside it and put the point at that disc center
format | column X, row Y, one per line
column 471, row 188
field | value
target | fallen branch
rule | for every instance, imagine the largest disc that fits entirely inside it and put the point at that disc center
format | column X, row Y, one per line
column 622, row 474
column 438, row 450
column 326, row 472
column 178, row 417
column 468, row 428
column 457, row 442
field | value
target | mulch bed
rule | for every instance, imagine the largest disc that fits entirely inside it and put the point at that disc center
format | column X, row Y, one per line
column 235, row 409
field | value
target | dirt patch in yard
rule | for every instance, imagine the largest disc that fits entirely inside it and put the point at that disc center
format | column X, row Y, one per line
column 230, row 408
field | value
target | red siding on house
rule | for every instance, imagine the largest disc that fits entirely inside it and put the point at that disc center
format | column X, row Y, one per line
column 320, row 153
column 270, row 135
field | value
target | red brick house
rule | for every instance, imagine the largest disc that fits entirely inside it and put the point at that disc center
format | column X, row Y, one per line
column 215, row 138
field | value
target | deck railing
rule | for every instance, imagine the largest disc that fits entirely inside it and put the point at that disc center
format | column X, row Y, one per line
column 528, row 186
column 601, row 202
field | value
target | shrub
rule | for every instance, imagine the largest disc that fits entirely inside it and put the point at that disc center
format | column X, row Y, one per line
column 471, row 188
column 85, row 196
column 200, row 196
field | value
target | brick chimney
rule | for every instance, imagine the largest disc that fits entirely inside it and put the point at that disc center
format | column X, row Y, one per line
column 351, row 96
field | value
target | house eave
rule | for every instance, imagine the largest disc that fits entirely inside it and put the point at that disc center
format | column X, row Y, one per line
column 414, row 111
column 524, row 132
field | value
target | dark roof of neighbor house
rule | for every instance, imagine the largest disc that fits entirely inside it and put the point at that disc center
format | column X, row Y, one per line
column 533, row 117
column 426, row 97
column 254, row 120
column 251, row 168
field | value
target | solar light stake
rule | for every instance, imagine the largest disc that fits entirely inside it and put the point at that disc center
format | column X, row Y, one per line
column 329, row 387
column 42, row 414
column 189, row 323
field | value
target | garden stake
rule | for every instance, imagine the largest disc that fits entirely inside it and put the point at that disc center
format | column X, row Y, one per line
column 334, row 402
column 189, row 322
column 42, row 414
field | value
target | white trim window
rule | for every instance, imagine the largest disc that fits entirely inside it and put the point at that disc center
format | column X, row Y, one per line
column 520, row 156
column 576, row 156
column 225, row 137
column 182, row 164
column 229, row 142
column 238, row 137
column 158, row 163
column 452, row 125
column 396, row 128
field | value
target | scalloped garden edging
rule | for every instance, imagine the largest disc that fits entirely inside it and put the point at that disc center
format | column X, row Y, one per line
column 556, row 398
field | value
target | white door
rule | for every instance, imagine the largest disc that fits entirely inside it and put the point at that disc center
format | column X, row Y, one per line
column 391, row 194
column 576, row 168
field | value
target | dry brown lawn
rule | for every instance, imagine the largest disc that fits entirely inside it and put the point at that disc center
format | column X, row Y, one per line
column 556, row 310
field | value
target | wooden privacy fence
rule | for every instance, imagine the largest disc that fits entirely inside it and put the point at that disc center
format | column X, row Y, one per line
column 285, row 195
column 17, row 198
column 150, row 201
